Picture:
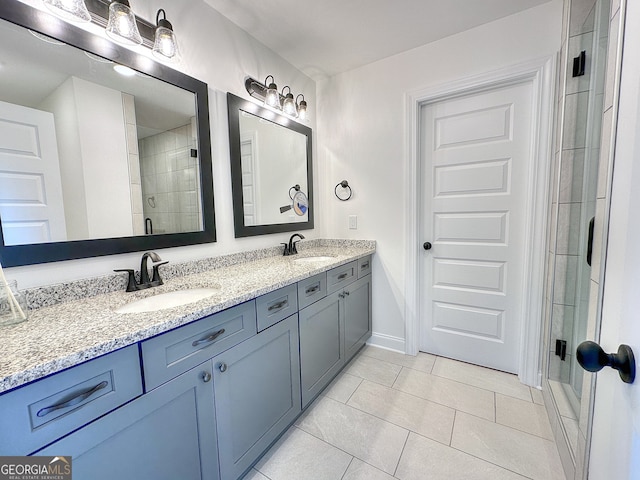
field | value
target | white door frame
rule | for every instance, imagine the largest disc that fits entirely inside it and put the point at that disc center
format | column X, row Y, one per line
column 542, row 74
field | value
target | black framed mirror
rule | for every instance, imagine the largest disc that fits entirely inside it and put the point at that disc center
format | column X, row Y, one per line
column 271, row 170
column 103, row 164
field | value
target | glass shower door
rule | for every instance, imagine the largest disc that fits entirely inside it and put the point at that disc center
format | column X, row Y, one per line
column 576, row 206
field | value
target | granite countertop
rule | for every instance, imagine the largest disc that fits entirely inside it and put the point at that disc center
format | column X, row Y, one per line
column 65, row 334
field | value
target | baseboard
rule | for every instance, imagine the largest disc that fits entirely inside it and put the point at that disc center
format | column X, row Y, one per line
column 387, row 342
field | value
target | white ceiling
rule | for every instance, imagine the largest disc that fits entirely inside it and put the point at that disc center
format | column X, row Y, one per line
column 326, row 37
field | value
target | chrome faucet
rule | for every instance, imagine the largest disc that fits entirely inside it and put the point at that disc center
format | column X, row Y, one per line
column 145, row 282
column 290, row 248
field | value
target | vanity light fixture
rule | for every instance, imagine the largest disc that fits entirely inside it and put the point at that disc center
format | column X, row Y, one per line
column 121, row 26
column 268, row 93
column 72, row 10
column 289, row 105
column 271, row 98
column 165, row 45
column 301, row 107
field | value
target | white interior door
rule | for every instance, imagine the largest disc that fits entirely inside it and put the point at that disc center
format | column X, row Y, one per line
column 31, row 205
column 475, row 157
column 248, row 150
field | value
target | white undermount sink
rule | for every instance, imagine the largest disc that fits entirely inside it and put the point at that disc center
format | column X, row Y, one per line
column 167, row 300
column 312, row 259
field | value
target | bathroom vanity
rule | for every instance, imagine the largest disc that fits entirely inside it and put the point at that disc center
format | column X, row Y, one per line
column 202, row 392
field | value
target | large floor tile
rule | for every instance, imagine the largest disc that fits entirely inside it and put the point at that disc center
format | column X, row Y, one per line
column 521, row 415
column 427, row 418
column 459, row 396
column 494, row 380
column 298, row 455
column 369, row 368
column 369, row 438
column 342, row 387
column 426, row 459
column 358, row 470
column 520, row 452
column 254, row 475
column 422, row 361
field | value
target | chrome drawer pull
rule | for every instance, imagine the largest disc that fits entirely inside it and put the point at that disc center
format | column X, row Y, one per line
column 208, row 338
column 279, row 305
column 313, row 289
column 343, row 276
column 81, row 397
column 365, row 265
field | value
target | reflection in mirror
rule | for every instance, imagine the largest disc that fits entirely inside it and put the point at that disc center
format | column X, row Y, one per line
column 271, row 170
column 90, row 151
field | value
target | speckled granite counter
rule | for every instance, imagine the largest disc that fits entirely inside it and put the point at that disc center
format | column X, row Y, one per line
column 73, row 327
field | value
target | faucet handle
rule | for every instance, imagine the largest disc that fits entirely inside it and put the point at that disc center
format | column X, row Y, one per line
column 156, row 280
column 131, row 281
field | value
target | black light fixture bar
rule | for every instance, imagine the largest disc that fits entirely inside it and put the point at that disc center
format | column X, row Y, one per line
column 258, row 89
column 99, row 10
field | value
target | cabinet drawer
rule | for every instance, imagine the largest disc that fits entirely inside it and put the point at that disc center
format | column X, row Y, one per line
column 276, row 306
column 44, row 411
column 340, row 276
column 312, row 289
column 364, row 266
column 170, row 354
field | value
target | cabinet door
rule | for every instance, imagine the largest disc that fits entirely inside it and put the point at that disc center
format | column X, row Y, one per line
column 357, row 315
column 257, row 392
column 166, row 434
column 321, row 346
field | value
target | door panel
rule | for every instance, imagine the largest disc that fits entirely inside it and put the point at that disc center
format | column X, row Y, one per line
column 31, row 204
column 475, row 158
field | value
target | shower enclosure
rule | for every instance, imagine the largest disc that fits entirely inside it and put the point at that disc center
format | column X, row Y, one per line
column 574, row 209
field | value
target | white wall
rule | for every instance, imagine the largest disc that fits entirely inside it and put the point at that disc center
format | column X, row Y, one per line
column 363, row 139
column 217, row 52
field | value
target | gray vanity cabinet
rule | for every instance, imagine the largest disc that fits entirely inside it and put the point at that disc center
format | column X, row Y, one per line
column 257, row 395
column 166, row 434
column 333, row 329
column 357, row 315
column 321, row 346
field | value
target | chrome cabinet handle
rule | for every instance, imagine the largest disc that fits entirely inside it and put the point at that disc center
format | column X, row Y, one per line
column 279, row 305
column 81, row 397
column 206, row 376
column 313, row 289
column 222, row 367
column 343, row 276
column 208, row 338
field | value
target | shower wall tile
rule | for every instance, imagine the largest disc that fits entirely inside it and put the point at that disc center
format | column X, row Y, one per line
column 582, row 17
column 575, row 120
column 571, row 172
column 605, row 153
column 612, row 60
column 564, row 288
column 568, row 240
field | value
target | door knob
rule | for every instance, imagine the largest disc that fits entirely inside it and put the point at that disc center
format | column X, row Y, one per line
column 427, row 245
column 592, row 358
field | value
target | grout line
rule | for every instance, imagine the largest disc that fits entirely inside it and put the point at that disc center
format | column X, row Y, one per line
column 453, row 426
column 348, row 466
column 395, row 470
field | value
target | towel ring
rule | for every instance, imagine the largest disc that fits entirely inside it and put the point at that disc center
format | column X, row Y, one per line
column 345, row 185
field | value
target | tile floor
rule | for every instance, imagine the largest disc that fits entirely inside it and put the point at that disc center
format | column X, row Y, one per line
column 392, row 416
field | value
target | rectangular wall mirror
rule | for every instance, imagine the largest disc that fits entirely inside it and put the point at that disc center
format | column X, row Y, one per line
column 94, row 162
column 271, row 170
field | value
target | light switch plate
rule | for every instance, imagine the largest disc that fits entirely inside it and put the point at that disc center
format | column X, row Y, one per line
column 353, row 222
